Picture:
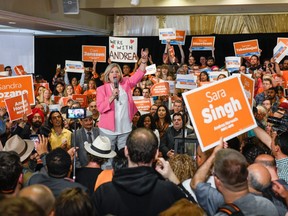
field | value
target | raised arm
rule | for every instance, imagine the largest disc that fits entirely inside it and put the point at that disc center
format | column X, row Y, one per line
column 263, row 136
column 182, row 54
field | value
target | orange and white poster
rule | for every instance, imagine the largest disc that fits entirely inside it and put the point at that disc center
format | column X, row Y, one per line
column 82, row 99
column 142, row 104
column 217, row 110
column 16, row 85
column 180, row 38
column 248, row 85
column 160, row 89
column 56, row 99
column 246, row 49
column 202, row 43
column 91, row 53
column 18, row 106
column 284, row 40
column 19, row 70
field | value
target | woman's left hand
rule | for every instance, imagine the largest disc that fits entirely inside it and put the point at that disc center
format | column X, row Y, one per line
column 144, row 55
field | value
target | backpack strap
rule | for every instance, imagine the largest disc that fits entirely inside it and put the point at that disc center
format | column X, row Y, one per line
column 230, row 209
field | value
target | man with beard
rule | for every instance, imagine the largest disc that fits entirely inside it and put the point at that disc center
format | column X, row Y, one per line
column 95, row 113
column 272, row 96
column 35, row 121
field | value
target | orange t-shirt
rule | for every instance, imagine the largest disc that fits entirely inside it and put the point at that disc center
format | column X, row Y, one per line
column 103, row 177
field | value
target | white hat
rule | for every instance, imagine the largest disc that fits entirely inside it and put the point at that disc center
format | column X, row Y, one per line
column 22, row 147
column 101, row 147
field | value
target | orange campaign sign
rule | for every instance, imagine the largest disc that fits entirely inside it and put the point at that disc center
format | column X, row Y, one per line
column 17, row 106
column 142, row 104
column 248, row 85
column 56, row 99
column 160, row 89
column 16, row 85
column 82, row 99
column 37, row 85
column 246, row 49
column 19, row 70
column 90, row 53
column 202, row 43
column 217, row 110
column 284, row 40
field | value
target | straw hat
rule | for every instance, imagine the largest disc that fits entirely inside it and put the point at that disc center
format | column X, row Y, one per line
column 101, row 147
column 22, row 147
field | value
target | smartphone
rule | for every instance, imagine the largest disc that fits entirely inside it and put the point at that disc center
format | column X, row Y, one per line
column 35, row 139
column 76, row 113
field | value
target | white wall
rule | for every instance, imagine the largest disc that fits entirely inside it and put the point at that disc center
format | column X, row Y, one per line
column 17, row 49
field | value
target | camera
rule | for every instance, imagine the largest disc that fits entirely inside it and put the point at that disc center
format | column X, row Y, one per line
column 76, row 113
column 35, row 139
column 279, row 124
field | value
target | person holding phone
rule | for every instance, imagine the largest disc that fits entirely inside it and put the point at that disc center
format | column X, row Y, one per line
column 115, row 103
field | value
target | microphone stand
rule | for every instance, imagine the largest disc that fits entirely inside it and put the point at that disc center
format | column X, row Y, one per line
column 74, row 157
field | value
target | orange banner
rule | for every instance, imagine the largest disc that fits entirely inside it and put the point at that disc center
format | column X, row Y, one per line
column 160, row 89
column 82, row 99
column 19, row 70
column 56, row 99
column 90, row 53
column 202, row 43
column 143, row 104
column 16, row 85
column 248, row 85
column 217, row 110
column 246, row 48
column 15, row 107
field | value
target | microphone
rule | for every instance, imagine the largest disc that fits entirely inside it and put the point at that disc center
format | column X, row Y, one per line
column 116, row 86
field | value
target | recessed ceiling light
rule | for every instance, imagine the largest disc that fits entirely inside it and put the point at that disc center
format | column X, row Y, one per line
column 58, row 30
column 12, row 23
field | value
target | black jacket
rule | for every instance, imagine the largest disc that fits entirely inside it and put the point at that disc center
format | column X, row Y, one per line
column 135, row 191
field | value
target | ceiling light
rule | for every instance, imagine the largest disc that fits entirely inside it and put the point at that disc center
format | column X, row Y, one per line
column 12, row 23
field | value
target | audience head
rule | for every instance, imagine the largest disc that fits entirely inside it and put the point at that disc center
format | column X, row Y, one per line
column 230, row 170
column 147, row 121
column 100, row 150
column 201, row 156
column 183, row 166
column 10, row 172
column 259, row 178
column 20, row 206
column 58, row 163
column 183, row 207
column 74, row 202
column 162, row 113
column 36, row 119
column 204, row 77
column 141, row 147
column 55, row 119
column 41, row 195
column 137, row 91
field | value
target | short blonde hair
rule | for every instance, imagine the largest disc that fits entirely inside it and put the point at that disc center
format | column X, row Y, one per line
column 108, row 70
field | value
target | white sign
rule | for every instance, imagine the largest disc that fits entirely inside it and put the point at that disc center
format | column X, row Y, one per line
column 167, row 34
column 74, row 66
column 280, row 51
column 123, row 49
column 186, row 81
column 151, row 69
column 233, row 63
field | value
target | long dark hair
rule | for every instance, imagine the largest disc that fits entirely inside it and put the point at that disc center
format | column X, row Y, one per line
column 167, row 118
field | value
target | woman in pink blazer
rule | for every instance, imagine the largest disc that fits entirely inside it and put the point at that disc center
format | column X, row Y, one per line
column 115, row 103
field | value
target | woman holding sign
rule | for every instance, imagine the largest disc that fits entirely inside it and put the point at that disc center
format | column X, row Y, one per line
column 115, row 103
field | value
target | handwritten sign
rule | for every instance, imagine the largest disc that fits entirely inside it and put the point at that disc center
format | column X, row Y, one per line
column 151, row 69
column 15, row 86
column 18, row 106
column 217, row 110
column 123, row 49
column 91, row 53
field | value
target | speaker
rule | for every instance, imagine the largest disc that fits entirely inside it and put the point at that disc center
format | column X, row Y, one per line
column 71, row 6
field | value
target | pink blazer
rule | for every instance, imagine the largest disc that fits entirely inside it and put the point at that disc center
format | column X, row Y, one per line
column 107, row 110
